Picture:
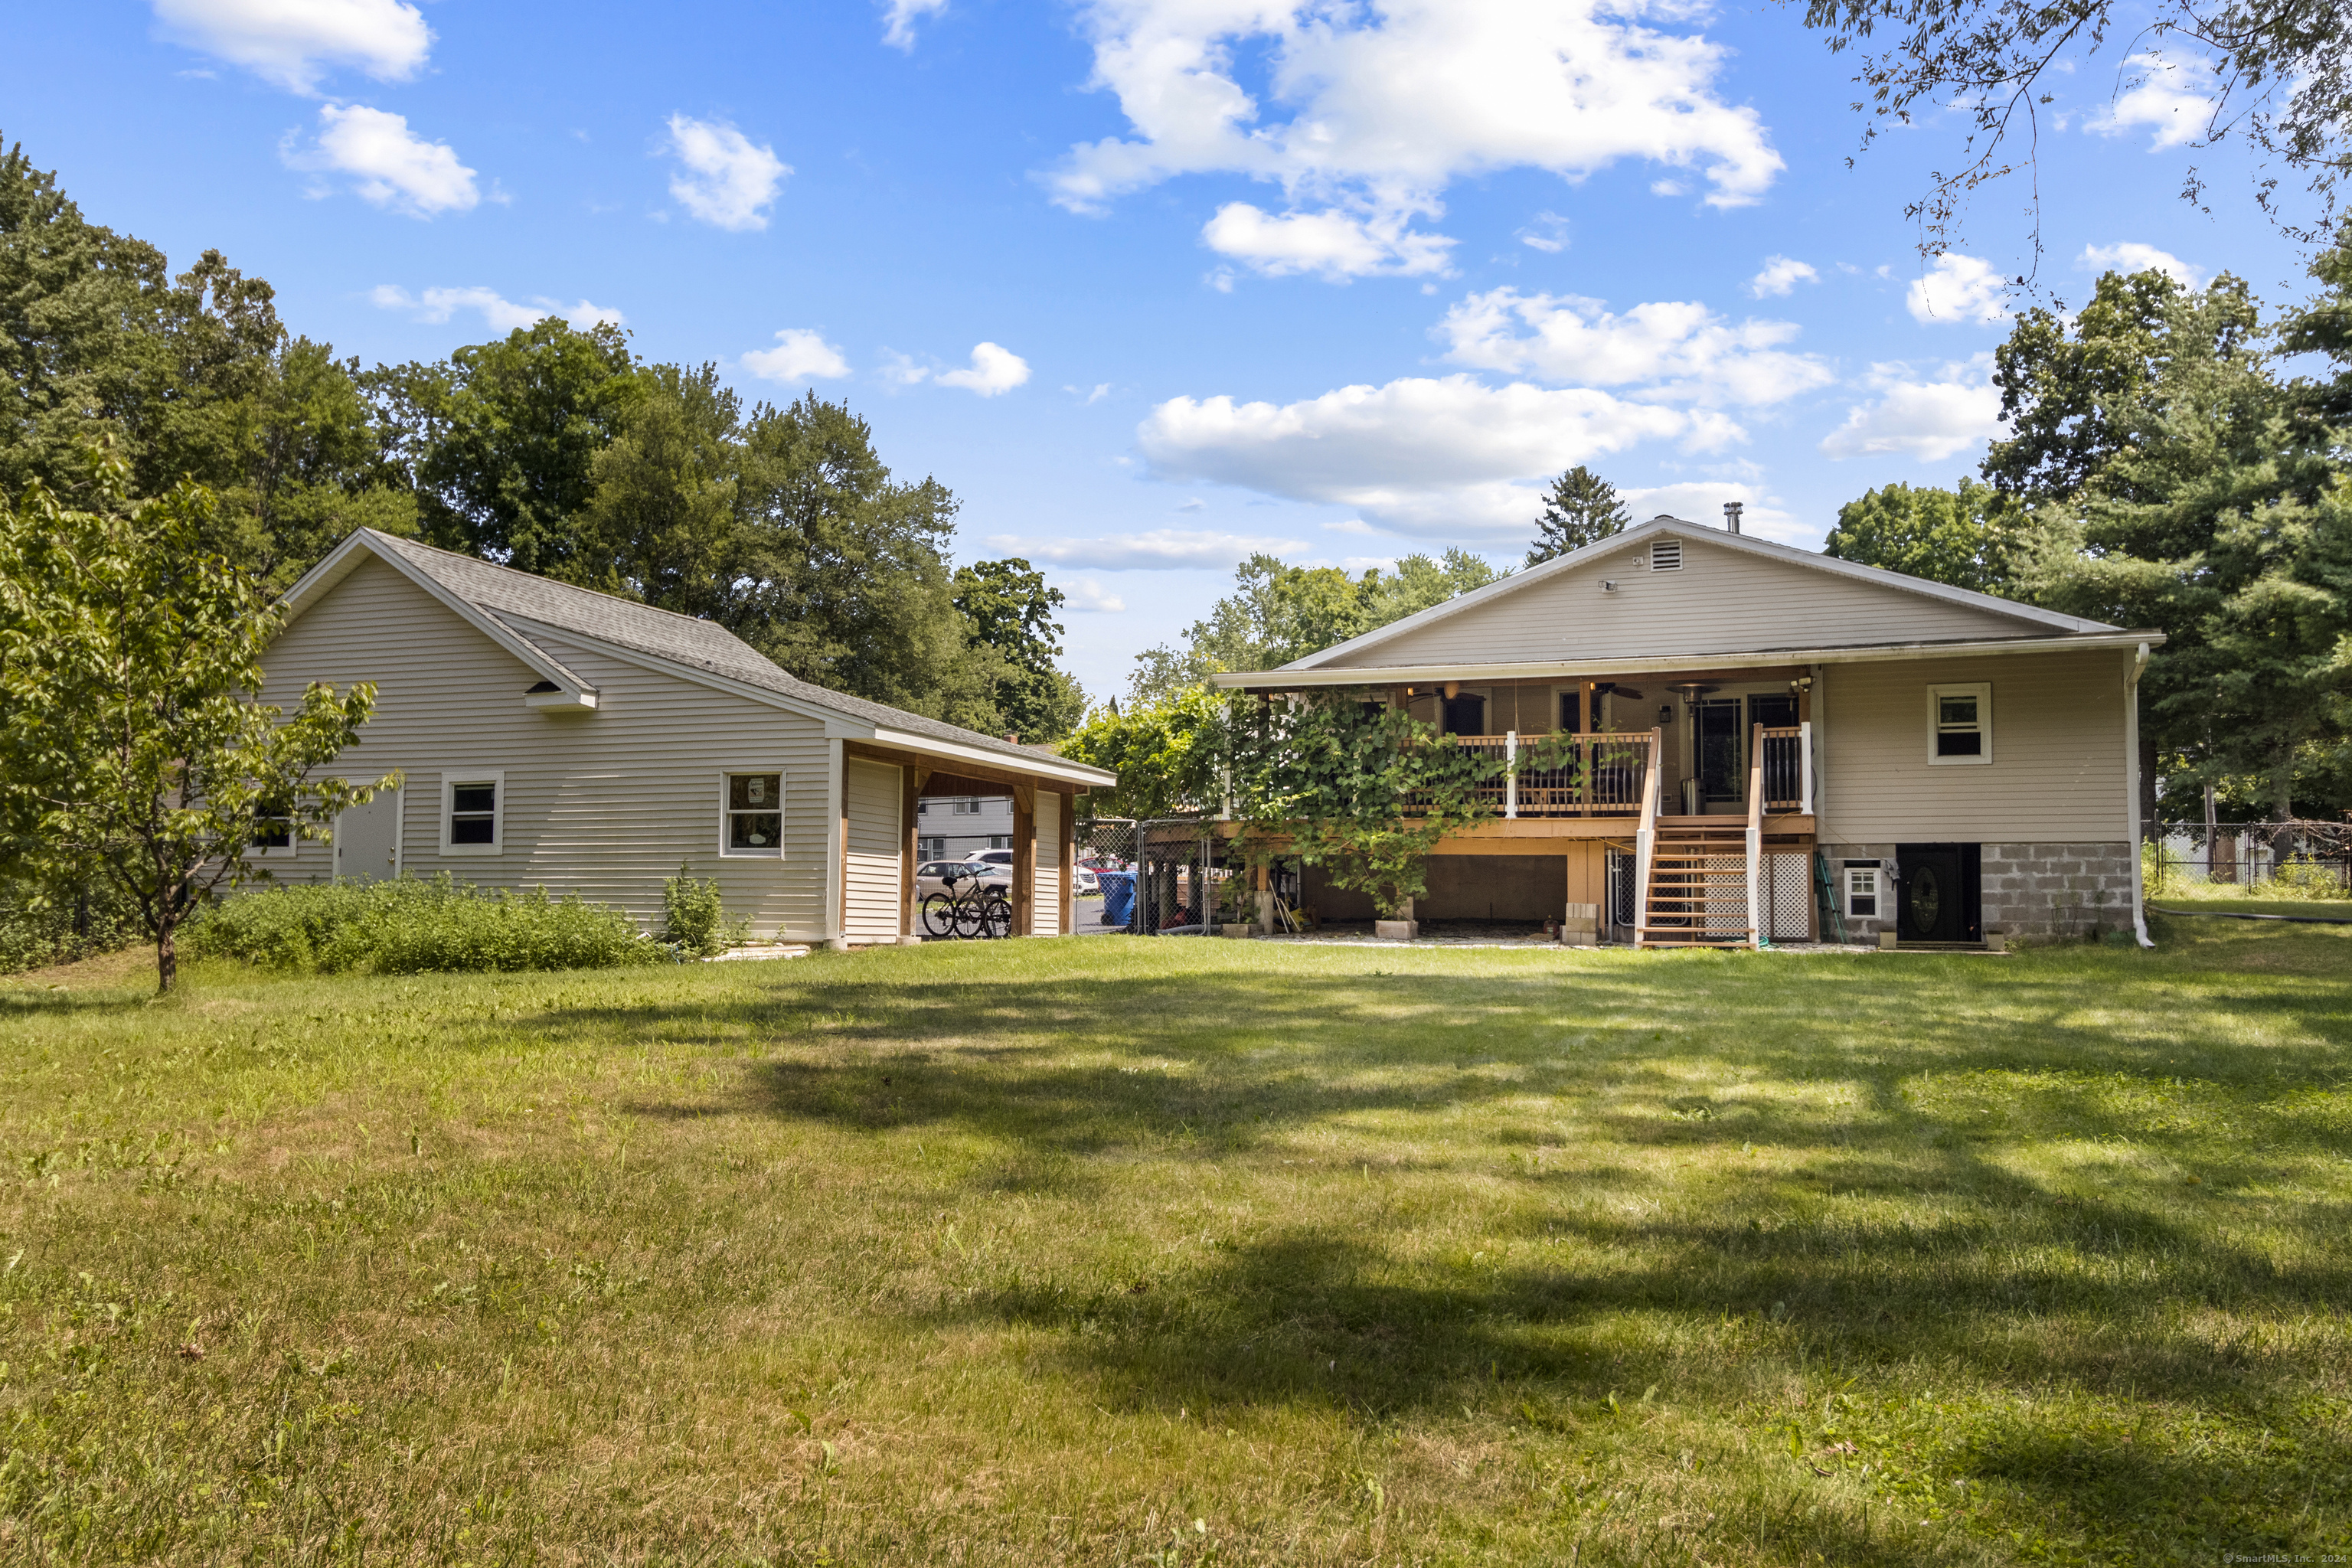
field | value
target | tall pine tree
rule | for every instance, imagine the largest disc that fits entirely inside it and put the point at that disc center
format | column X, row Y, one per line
column 1580, row 508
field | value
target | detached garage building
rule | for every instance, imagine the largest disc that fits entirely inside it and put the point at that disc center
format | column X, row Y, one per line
column 555, row 736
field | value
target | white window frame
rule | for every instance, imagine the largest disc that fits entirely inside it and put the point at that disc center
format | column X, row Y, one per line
column 285, row 851
column 1980, row 689
column 725, row 774
column 496, row 779
column 1877, row 893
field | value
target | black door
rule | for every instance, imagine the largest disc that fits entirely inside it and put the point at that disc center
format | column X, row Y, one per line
column 1774, row 711
column 1466, row 715
column 1938, row 892
column 1722, row 753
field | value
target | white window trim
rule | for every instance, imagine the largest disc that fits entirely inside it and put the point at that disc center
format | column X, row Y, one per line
column 1877, row 894
column 496, row 779
column 291, row 848
column 782, row 793
column 1982, row 692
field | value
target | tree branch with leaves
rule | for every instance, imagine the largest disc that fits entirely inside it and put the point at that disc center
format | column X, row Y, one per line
column 132, row 740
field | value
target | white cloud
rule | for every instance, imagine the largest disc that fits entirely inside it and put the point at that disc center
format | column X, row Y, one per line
column 1673, row 350
column 500, row 313
column 1332, row 244
column 801, row 353
column 1416, row 455
column 1548, row 233
column 993, row 370
column 1931, row 417
column 1158, row 549
column 1958, row 289
column 1779, row 275
column 2175, row 98
column 728, row 179
column 291, row 43
column 1087, row 595
column 1371, row 110
column 899, row 19
column 389, row 164
column 2129, row 256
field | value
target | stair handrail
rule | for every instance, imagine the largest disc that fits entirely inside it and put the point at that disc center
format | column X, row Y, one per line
column 1755, row 835
column 1645, row 840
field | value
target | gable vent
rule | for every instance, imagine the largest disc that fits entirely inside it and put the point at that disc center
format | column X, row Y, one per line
column 1665, row 555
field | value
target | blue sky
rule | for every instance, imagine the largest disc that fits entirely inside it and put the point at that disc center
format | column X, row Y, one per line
column 1151, row 283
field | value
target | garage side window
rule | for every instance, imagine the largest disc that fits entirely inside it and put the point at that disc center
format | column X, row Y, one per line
column 473, row 813
column 754, row 822
column 1959, row 724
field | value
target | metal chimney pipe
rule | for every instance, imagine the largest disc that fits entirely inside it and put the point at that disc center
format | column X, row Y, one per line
column 1731, row 510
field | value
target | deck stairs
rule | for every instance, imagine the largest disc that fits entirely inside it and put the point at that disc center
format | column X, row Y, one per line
column 1699, row 876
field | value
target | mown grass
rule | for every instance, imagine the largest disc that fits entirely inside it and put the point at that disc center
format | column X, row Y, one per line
column 1123, row 1252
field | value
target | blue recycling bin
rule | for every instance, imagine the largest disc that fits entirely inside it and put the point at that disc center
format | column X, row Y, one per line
column 1118, row 896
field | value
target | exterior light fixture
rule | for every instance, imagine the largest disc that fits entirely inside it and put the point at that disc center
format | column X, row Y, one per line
column 1452, row 689
column 1665, row 713
column 1609, row 585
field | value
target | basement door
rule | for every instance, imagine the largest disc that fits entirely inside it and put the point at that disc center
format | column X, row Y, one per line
column 367, row 840
column 1940, row 892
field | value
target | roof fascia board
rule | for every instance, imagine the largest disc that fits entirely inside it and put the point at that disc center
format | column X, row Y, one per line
column 1045, row 767
column 329, row 571
column 1290, row 679
column 465, row 609
column 1766, row 549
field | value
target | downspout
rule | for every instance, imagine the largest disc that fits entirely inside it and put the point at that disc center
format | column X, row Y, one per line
column 2131, row 762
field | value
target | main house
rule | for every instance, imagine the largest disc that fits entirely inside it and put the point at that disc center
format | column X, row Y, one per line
column 1772, row 741
column 552, row 736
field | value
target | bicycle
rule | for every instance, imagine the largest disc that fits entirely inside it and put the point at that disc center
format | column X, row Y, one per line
column 978, row 910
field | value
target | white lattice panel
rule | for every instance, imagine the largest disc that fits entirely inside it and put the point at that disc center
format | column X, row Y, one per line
column 1789, row 897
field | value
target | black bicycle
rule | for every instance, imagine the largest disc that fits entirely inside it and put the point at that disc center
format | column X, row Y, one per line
column 978, row 909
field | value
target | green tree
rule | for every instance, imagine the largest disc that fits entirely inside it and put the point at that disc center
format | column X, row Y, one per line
column 1279, row 613
column 2284, row 69
column 192, row 377
column 1962, row 536
column 1169, row 754
column 1011, row 609
column 661, row 522
column 1580, row 508
column 500, row 441
column 129, row 738
column 2204, row 504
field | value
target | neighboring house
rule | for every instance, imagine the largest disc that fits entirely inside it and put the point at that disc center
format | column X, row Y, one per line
column 1959, row 764
column 953, row 826
column 554, row 736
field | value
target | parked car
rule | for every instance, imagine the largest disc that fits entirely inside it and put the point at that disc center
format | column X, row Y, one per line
column 1082, row 878
column 932, row 876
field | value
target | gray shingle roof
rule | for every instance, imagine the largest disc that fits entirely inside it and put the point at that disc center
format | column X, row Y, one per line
column 511, row 597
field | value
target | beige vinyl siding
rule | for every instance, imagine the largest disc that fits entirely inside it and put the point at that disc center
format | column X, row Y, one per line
column 2058, row 772
column 1047, row 919
column 872, row 911
column 604, row 804
column 1723, row 600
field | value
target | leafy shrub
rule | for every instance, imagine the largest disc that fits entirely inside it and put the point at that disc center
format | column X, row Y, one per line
column 2307, row 878
column 414, row 928
column 694, row 919
column 75, row 923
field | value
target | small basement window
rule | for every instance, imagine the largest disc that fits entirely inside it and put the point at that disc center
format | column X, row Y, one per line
column 1959, row 724
column 1861, row 889
column 755, row 816
column 473, row 814
column 1665, row 555
column 273, row 832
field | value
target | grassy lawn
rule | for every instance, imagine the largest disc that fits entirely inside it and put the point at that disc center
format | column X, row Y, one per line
column 1131, row 1252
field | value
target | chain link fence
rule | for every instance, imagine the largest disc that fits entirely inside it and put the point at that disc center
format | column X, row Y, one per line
column 1169, row 877
column 2296, row 858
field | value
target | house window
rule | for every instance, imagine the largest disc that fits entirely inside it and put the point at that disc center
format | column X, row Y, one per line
column 1665, row 555
column 1000, row 841
column 1959, row 724
column 755, row 816
column 1861, row 890
column 273, row 832
column 930, row 849
column 473, row 813
column 923, row 808
column 967, row 808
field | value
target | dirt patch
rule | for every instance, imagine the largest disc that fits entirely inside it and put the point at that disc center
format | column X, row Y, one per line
column 106, row 971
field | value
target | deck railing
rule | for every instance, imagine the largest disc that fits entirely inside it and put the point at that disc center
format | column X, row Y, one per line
column 1600, row 776
column 1788, row 772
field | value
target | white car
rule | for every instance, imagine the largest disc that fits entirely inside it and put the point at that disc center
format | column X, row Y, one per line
column 932, row 876
column 1082, row 881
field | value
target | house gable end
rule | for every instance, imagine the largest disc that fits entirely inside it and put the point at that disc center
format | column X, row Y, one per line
column 1722, row 599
